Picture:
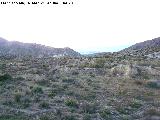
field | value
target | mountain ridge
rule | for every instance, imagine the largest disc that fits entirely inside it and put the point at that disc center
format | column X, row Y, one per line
column 19, row 49
column 143, row 48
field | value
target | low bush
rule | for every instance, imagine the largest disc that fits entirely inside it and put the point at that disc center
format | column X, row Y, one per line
column 44, row 105
column 106, row 113
column 37, row 90
column 2, row 66
column 52, row 94
column 5, row 77
column 136, row 104
column 68, row 80
column 69, row 117
column 44, row 118
column 43, row 82
column 153, row 84
column 71, row 103
column 26, row 102
column 17, row 97
column 89, row 108
column 152, row 112
column 138, row 82
column 98, row 63
column 13, row 117
column 124, row 110
column 87, row 117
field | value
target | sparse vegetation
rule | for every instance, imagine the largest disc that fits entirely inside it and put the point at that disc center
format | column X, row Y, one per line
column 111, row 87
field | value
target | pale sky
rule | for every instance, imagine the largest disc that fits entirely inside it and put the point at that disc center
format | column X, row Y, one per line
column 87, row 25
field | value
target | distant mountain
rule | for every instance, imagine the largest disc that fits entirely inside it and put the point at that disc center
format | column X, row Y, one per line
column 18, row 49
column 143, row 48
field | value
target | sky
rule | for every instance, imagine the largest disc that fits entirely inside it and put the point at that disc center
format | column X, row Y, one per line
column 85, row 26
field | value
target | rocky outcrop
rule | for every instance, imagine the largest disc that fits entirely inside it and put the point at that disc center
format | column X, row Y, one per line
column 135, row 71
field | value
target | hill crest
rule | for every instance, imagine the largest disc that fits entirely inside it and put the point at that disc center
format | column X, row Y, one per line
column 19, row 49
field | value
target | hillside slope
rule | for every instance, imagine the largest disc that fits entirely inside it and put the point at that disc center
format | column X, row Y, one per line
column 144, row 48
column 18, row 49
column 68, row 88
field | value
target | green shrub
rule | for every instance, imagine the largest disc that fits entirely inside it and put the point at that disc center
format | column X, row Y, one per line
column 44, row 118
column 37, row 90
column 44, row 105
column 43, row 82
column 153, row 84
column 138, row 82
column 90, row 96
column 152, row 111
column 69, row 117
column 145, row 76
column 87, row 117
column 37, row 98
column 2, row 66
column 75, row 73
column 105, row 113
column 92, row 74
column 98, row 63
column 26, row 102
column 52, row 94
column 5, row 77
column 48, row 117
column 68, row 80
column 20, row 78
column 83, row 65
column 136, row 104
column 13, row 117
column 125, row 117
column 8, row 103
column 17, row 97
column 124, row 110
column 71, row 103
column 89, row 108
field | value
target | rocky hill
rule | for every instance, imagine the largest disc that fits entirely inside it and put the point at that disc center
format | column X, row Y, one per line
column 66, row 88
column 144, row 48
column 109, row 86
column 18, row 49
